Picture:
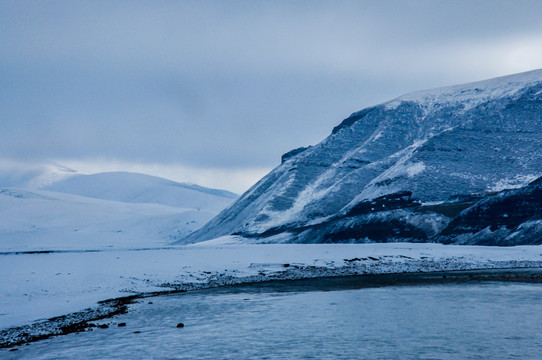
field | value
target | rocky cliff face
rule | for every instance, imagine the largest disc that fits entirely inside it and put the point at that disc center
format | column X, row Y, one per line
column 398, row 171
column 509, row 217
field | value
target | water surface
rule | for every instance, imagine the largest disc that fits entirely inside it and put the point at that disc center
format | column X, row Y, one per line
column 320, row 319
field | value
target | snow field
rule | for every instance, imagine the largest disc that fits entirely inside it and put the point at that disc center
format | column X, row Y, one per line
column 43, row 285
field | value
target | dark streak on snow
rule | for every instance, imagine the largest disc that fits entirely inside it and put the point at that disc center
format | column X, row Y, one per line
column 453, row 269
column 33, row 252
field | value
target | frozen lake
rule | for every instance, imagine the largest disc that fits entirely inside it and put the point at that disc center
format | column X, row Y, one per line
column 343, row 318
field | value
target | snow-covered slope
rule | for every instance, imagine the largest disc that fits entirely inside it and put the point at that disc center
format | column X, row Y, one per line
column 427, row 147
column 41, row 220
column 32, row 177
column 140, row 188
column 57, row 208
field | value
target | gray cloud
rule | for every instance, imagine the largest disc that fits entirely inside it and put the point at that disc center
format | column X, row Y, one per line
column 232, row 84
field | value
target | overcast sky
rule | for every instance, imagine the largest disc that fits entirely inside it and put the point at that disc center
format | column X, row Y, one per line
column 214, row 92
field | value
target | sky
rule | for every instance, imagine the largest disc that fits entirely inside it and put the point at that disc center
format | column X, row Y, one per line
column 214, row 92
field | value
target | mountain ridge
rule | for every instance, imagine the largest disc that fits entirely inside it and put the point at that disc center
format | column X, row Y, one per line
column 436, row 144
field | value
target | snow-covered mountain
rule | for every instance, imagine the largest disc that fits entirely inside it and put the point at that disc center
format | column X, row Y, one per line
column 400, row 170
column 58, row 208
column 140, row 188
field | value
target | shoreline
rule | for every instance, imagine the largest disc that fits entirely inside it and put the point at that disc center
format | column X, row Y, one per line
column 80, row 321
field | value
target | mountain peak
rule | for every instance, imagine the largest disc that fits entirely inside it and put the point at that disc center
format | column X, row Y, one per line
column 473, row 93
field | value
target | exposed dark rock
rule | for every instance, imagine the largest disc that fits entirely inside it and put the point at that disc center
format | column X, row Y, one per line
column 76, row 327
column 180, row 325
column 349, row 121
column 509, row 217
column 293, row 153
column 384, row 203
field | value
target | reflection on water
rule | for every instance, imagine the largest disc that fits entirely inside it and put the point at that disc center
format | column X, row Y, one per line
column 320, row 320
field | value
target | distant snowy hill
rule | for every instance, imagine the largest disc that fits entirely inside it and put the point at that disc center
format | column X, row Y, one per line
column 399, row 171
column 32, row 177
column 139, row 188
column 57, row 208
